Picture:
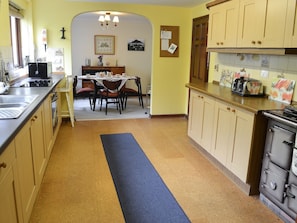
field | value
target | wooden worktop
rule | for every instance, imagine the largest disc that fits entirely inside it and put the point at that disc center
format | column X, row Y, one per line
column 253, row 104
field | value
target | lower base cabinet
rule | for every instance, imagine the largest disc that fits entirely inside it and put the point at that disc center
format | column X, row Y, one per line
column 233, row 138
column 25, row 167
column 200, row 126
column 9, row 192
column 223, row 130
column 22, row 166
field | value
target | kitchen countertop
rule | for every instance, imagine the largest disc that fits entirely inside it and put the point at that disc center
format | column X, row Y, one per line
column 10, row 127
column 253, row 104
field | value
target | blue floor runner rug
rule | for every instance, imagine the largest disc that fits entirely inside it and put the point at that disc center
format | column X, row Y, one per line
column 143, row 196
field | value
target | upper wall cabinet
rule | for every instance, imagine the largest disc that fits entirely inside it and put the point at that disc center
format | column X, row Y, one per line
column 262, row 23
column 222, row 30
column 252, row 24
column 291, row 25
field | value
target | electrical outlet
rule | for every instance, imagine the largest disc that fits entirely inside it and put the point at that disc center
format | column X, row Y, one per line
column 264, row 73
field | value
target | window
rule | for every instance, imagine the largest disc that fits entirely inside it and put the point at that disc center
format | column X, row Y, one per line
column 15, row 27
column 15, row 16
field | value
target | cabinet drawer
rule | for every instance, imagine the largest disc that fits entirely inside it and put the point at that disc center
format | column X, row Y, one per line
column 6, row 160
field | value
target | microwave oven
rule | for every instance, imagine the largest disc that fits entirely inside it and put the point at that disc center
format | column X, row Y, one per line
column 41, row 70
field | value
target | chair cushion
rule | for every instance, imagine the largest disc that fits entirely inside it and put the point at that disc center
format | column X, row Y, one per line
column 129, row 90
column 84, row 90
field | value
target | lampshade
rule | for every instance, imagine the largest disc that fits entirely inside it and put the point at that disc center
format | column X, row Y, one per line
column 101, row 18
column 116, row 19
column 105, row 19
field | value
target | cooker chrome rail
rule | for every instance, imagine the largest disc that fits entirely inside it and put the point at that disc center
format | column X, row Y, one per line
column 285, row 121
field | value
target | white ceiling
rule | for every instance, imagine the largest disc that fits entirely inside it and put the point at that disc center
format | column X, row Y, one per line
column 180, row 3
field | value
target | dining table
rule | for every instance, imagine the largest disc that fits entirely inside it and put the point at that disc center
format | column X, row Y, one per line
column 99, row 77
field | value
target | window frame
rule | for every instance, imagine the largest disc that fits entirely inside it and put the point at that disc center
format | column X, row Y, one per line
column 17, row 46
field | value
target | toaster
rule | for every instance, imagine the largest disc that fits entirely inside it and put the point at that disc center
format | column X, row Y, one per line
column 247, row 86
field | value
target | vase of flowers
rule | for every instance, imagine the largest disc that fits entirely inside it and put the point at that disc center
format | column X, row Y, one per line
column 100, row 61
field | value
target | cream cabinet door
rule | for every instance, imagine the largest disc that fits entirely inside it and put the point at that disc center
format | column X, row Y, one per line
column 9, row 196
column 201, row 118
column 195, row 116
column 207, row 122
column 239, row 152
column 25, row 169
column 222, row 29
column 233, row 138
column 291, row 25
column 262, row 23
column 223, row 131
column 38, row 149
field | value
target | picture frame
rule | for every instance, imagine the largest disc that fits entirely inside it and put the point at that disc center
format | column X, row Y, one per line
column 136, row 45
column 104, row 45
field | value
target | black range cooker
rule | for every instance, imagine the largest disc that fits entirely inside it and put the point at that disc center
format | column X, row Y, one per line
column 278, row 182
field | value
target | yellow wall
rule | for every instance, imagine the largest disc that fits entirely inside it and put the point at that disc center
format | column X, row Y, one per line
column 4, row 24
column 169, row 75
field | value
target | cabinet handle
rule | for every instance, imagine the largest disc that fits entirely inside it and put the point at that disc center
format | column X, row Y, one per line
column 259, row 42
column 222, row 43
column 233, row 110
column 34, row 118
column 3, row 165
column 218, row 43
column 253, row 42
column 228, row 108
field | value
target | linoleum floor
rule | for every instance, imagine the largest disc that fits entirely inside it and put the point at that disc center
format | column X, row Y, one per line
column 78, row 187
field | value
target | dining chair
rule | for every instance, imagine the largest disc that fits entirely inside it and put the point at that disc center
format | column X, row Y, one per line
column 98, row 88
column 111, row 94
column 129, row 92
column 84, row 92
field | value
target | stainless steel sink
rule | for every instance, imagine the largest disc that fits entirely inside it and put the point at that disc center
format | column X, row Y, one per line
column 12, row 106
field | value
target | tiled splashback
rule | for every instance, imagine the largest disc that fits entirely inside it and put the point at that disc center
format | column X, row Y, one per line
column 257, row 66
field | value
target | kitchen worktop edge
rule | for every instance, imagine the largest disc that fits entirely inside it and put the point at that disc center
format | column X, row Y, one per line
column 254, row 104
column 10, row 127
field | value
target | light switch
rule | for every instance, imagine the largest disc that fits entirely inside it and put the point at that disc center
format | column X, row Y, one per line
column 264, row 73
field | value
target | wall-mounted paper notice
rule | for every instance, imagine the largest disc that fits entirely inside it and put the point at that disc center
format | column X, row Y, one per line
column 166, row 34
column 164, row 44
column 172, row 48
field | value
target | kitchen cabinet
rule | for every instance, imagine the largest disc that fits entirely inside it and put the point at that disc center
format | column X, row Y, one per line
column 9, row 193
column 233, row 138
column 291, row 25
column 223, row 19
column 262, row 23
column 201, row 113
column 25, row 167
column 37, row 142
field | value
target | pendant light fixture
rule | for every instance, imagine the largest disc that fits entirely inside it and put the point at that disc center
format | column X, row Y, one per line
column 105, row 21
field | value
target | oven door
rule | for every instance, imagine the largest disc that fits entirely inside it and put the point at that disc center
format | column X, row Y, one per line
column 274, row 181
column 281, row 146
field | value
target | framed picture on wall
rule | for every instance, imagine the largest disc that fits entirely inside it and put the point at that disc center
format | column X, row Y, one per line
column 104, row 45
column 136, row 45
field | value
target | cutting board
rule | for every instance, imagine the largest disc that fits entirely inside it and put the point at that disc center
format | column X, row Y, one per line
column 282, row 90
